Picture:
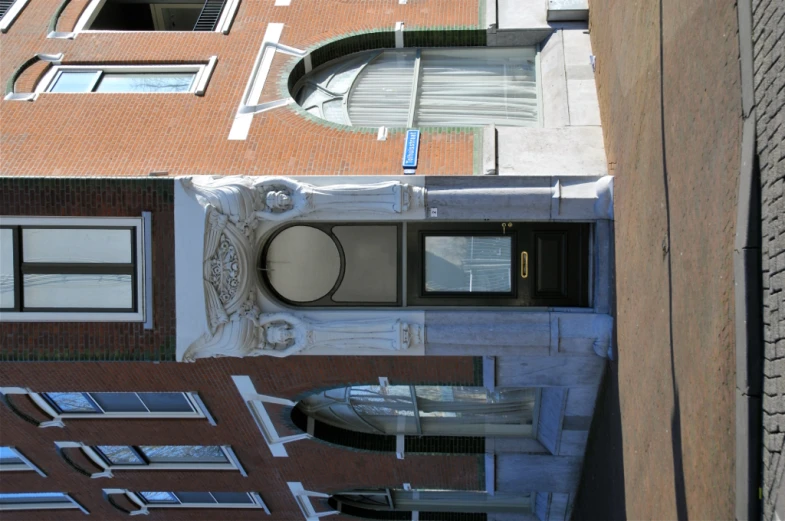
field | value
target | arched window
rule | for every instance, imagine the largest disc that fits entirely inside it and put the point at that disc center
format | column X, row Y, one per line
column 429, row 410
column 461, row 505
column 425, row 87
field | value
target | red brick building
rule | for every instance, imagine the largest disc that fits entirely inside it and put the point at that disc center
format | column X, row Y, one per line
column 379, row 345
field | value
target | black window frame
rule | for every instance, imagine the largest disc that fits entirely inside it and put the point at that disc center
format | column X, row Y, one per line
column 98, row 410
column 326, row 300
column 22, row 268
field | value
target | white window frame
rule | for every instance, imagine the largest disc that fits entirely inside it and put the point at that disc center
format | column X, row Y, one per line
column 11, row 14
column 90, row 13
column 255, row 403
column 95, row 455
column 144, row 506
column 144, row 304
column 202, row 73
column 25, row 465
column 44, row 506
column 197, row 405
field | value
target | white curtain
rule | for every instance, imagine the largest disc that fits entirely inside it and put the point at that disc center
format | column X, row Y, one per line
column 457, row 87
column 382, row 92
column 477, row 87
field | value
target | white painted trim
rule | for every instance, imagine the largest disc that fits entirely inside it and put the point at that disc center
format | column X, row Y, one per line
column 227, row 16
column 249, row 103
column 255, row 403
column 147, row 268
column 204, row 76
column 91, row 222
column 11, row 14
column 400, row 445
column 399, row 27
column 302, row 498
column 24, row 466
column 284, row 3
column 49, row 79
column 88, row 16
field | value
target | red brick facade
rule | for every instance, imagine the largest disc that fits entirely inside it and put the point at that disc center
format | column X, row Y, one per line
column 129, row 135
column 133, row 135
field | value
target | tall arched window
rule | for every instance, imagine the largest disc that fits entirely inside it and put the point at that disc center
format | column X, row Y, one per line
column 425, row 87
column 429, row 410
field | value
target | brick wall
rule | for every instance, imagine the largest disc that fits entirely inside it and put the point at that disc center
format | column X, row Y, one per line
column 134, row 134
column 70, row 341
column 319, row 466
column 769, row 69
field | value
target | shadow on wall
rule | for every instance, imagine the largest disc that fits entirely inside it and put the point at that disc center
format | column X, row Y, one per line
column 601, row 494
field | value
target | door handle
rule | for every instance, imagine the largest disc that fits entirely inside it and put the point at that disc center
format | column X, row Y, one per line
column 524, row 264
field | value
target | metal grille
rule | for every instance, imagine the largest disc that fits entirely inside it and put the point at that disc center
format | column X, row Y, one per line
column 5, row 5
column 209, row 16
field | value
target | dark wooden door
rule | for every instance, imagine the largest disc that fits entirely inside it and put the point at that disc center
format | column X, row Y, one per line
column 497, row 264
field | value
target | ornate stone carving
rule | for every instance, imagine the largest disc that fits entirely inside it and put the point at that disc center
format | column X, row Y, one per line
column 281, row 334
column 235, row 207
column 227, row 261
column 246, row 201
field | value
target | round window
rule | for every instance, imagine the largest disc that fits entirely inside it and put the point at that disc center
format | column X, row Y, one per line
column 303, row 264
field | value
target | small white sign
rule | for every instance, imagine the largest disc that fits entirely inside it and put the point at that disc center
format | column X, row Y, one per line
column 434, row 212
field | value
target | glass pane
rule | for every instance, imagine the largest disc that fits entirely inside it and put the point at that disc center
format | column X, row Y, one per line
column 75, row 81
column 146, row 82
column 22, row 498
column 118, row 402
column 477, row 87
column 183, row 454
column 72, row 402
column 195, row 497
column 71, row 291
column 86, row 245
column 6, row 268
column 333, row 111
column 233, row 497
column 371, row 255
column 159, row 497
column 120, row 455
column 382, row 92
column 468, row 264
column 166, row 402
column 9, row 457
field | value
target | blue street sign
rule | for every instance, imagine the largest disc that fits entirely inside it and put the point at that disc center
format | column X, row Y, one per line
column 411, row 148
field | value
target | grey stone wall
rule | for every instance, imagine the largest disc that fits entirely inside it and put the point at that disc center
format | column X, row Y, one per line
column 769, row 66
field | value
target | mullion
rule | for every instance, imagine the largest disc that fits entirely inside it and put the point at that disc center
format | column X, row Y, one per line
column 73, row 268
column 97, row 80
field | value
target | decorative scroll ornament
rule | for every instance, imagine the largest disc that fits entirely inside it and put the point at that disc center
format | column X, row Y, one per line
column 281, row 334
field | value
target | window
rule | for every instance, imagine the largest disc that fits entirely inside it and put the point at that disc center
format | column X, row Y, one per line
column 146, row 500
column 379, row 503
column 86, row 405
column 426, row 410
column 335, row 265
column 13, row 460
column 9, row 10
column 146, row 15
column 425, row 87
column 128, row 79
column 38, row 501
column 166, row 457
column 71, row 269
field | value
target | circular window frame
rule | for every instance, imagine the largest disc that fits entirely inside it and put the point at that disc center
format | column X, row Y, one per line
column 327, row 230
